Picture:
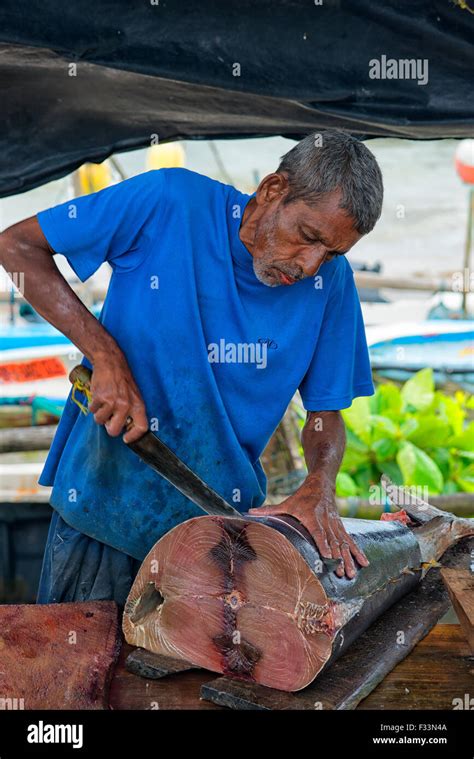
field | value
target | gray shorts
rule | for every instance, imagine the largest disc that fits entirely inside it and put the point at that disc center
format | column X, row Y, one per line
column 79, row 568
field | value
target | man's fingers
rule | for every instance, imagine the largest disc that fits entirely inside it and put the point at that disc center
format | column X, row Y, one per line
column 349, row 566
column 336, row 554
column 320, row 538
column 94, row 405
column 103, row 412
column 113, row 414
column 115, row 424
column 359, row 555
column 357, row 552
column 140, row 423
column 135, row 432
column 344, row 538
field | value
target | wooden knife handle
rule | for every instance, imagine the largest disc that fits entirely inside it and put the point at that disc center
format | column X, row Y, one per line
column 80, row 377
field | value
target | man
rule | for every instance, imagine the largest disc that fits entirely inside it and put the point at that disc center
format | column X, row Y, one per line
column 220, row 306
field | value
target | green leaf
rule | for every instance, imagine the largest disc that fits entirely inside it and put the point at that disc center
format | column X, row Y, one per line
column 450, row 487
column 364, row 478
column 465, row 479
column 408, row 426
column 382, row 427
column 355, row 454
column 466, row 455
column 355, row 442
column 345, row 485
column 357, row 417
column 387, row 401
column 393, row 470
column 451, row 410
column 418, row 468
column 431, row 432
column 352, row 460
column 464, row 440
column 442, row 458
column 418, row 392
column 466, row 483
column 384, row 449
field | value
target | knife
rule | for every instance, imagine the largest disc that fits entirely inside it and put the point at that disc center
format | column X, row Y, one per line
column 153, row 452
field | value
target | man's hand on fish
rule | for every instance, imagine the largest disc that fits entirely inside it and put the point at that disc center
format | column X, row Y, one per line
column 314, row 503
column 317, row 511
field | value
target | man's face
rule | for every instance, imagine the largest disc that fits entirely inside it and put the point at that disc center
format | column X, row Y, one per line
column 291, row 242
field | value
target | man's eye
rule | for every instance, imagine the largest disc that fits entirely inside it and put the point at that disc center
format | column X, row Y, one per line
column 307, row 238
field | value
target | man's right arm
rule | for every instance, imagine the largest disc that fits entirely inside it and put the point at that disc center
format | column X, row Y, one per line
column 115, row 395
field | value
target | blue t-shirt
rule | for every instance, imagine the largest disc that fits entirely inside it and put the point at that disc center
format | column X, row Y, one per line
column 217, row 355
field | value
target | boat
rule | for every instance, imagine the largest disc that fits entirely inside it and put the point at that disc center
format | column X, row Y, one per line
column 398, row 350
column 34, row 383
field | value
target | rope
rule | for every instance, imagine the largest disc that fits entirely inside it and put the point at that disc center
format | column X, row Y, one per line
column 78, row 385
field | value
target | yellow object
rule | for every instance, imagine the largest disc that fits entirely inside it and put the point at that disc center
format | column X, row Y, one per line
column 82, row 388
column 94, row 177
column 170, row 155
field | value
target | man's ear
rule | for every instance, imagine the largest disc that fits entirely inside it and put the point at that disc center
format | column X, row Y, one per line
column 272, row 187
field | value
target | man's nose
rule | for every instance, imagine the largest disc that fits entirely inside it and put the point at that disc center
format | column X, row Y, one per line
column 311, row 260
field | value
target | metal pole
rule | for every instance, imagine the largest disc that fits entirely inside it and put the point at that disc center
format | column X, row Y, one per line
column 467, row 253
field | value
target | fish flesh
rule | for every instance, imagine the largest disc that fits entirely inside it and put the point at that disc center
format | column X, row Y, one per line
column 253, row 599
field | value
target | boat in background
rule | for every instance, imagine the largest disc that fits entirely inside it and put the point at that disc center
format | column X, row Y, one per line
column 447, row 346
column 34, row 383
column 27, row 334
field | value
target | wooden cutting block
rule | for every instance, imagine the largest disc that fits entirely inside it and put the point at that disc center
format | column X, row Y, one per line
column 367, row 661
column 155, row 666
column 57, row 656
column 460, row 586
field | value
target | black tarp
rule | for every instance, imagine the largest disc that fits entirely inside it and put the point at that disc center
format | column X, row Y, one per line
column 167, row 67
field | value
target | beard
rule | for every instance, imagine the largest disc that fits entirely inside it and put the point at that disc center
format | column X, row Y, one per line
column 266, row 275
column 267, row 265
column 266, row 270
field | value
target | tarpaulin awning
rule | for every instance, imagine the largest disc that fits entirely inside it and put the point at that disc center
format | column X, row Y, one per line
column 82, row 80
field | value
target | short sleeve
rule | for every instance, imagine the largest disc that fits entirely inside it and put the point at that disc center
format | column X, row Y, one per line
column 340, row 368
column 113, row 225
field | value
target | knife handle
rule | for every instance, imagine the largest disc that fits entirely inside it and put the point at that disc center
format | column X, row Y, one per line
column 80, row 378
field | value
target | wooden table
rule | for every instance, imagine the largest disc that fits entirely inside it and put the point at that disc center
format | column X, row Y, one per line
column 437, row 671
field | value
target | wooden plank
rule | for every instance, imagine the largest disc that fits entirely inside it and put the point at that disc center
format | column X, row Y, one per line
column 372, row 280
column 442, row 657
column 37, row 438
column 180, row 691
column 460, row 586
column 437, row 675
column 154, row 666
column 460, row 504
column 368, row 660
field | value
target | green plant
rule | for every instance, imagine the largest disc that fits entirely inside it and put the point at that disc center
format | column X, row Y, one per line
column 416, row 434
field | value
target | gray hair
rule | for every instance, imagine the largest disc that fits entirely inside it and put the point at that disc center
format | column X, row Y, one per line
column 329, row 160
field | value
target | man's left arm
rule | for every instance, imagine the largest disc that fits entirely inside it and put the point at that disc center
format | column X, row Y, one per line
column 314, row 503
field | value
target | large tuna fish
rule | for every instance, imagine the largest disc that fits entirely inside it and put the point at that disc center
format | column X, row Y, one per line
column 251, row 597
